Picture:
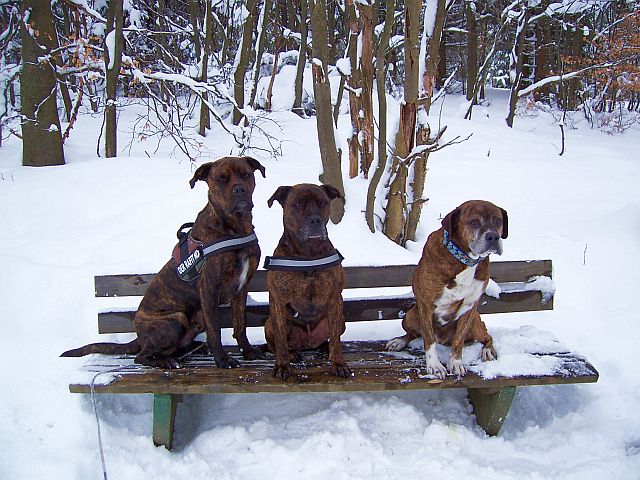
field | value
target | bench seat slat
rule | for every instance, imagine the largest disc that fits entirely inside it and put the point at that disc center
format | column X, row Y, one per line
column 375, row 370
column 357, row 277
column 355, row 310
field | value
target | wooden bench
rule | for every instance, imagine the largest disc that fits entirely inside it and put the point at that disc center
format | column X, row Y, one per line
column 374, row 368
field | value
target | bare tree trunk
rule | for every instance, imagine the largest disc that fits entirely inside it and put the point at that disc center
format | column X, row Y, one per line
column 279, row 45
column 262, row 35
column 113, row 60
column 366, row 63
column 302, row 58
column 354, row 88
column 243, row 60
column 472, row 49
column 205, row 120
column 418, row 173
column 41, row 136
column 330, row 155
column 382, row 114
column 516, row 63
column 194, row 15
column 432, row 57
column 395, row 216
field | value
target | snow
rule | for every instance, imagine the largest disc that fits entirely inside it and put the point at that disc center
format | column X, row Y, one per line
column 63, row 225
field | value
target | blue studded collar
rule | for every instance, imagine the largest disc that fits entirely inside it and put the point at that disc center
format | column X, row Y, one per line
column 458, row 253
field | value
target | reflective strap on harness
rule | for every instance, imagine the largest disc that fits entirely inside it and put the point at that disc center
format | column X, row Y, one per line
column 296, row 264
column 229, row 244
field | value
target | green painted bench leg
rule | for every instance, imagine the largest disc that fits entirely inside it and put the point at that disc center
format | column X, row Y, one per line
column 164, row 414
column 491, row 406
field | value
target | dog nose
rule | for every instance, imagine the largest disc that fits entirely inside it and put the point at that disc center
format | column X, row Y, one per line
column 239, row 189
column 492, row 237
column 315, row 220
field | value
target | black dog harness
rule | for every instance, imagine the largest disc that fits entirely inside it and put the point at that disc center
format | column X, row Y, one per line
column 190, row 254
column 296, row 264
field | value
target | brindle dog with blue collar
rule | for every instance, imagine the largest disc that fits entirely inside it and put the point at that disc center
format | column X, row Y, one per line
column 173, row 311
column 451, row 276
column 305, row 287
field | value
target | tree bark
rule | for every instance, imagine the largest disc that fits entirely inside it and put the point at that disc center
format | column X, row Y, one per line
column 243, row 61
column 330, row 155
column 113, row 35
column 262, row 35
column 41, row 135
column 395, row 215
column 205, row 119
column 516, row 63
column 302, row 58
column 381, row 51
column 354, row 87
column 366, row 67
column 472, row 50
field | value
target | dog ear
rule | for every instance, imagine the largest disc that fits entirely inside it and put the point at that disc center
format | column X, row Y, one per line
column 505, row 223
column 201, row 173
column 332, row 192
column 280, row 195
column 255, row 164
column 450, row 221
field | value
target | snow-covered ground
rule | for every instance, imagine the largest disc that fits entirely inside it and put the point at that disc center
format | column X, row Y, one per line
column 62, row 225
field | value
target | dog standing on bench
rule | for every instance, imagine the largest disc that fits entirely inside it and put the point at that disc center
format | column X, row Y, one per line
column 221, row 254
column 451, row 276
column 305, row 280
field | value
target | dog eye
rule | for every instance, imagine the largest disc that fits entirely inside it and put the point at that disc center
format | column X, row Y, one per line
column 475, row 223
column 221, row 179
column 298, row 204
column 497, row 222
column 245, row 174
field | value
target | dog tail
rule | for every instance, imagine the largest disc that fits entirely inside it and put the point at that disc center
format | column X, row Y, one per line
column 108, row 348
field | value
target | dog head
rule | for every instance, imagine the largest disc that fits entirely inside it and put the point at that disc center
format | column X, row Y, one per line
column 478, row 227
column 306, row 209
column 231, row 183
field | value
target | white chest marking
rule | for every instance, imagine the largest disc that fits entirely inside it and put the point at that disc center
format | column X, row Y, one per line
column 466, row 288
column 243, row 274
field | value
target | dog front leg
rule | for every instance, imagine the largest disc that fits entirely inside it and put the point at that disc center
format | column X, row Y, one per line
column 434, row 366
column 277, row 313
column 455, row 365
column 238, row 316
column 336, row 328
column 210, row 299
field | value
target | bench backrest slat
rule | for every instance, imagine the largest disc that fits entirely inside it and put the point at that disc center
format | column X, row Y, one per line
column 355, row 310
column 357, row 277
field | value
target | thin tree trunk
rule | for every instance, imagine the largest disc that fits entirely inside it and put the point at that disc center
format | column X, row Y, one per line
column 433, row 52
column 205, row 119
column 302, row 59
column 354, row 88
column 517, row 60
column 243, row 61
column 262, row 35
column 383, row 45
column 331, row 171
column 41, row 135
column 395, row 216
column 472, row 49
column 113, row 60
column 366, row 64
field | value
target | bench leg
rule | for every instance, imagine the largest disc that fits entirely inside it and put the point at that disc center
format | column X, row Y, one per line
column 491, row 406
column 164, row 414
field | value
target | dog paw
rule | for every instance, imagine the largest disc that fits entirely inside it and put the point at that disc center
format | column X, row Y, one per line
column 396, row 344
column 227, row 362
column 488, row 354
column 456, row 367
column 434, row 367
column 281, row 372
column 253, row 354
column 342, row 370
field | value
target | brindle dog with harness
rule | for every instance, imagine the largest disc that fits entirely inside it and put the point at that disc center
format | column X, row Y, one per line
column 305, row 280
column 219, row 256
